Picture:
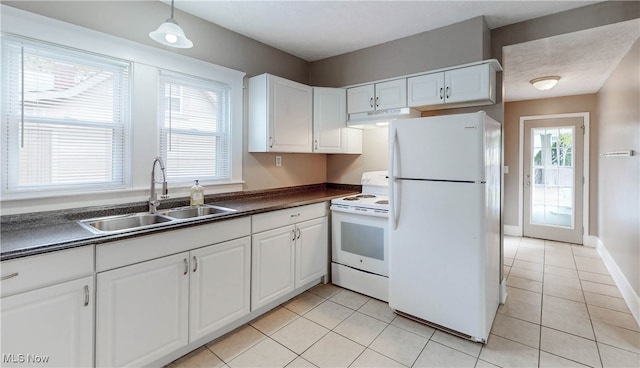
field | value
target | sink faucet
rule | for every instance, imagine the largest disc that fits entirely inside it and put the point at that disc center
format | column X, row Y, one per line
column 153, row 197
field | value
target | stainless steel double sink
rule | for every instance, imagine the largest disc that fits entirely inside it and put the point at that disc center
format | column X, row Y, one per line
column 145, row 220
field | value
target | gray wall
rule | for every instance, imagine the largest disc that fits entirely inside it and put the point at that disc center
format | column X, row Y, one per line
column 619, row 177
column 133, row 20
column 425, row 51
column 422, row 52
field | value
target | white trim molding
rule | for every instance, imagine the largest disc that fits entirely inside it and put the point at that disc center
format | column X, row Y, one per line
column 512, row 230
column 630, row 296
column 585, row 172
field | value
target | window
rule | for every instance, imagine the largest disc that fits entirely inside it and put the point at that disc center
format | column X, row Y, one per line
column 194, row 128
column 66, row 118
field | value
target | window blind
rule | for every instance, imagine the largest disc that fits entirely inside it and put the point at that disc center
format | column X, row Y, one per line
column 66, row 118
column 194, row 128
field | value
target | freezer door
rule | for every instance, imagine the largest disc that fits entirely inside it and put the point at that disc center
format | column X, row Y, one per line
column 443, row 266
column 449, row 147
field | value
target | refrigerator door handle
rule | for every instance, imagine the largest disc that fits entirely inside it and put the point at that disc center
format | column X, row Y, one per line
column 392, row 182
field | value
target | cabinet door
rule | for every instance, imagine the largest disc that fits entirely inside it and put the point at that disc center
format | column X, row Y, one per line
column 329, row 120
column 360, row 99
column 142, row 311
column 425, row 90
column 312, row 248
column 272, row 265
column 219, row 286
column 290, row 116
column 391, row 94
column 49, row 327
column 467, row 84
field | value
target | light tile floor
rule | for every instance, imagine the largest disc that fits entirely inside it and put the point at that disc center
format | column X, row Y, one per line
column 563, row 310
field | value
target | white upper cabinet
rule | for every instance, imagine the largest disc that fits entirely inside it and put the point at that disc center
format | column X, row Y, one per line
column 330, row 132
column 280, row 114
column 467, row 86
column 378, row 96
column 391, row 94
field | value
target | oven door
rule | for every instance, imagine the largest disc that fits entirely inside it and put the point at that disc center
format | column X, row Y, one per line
column 360, row 241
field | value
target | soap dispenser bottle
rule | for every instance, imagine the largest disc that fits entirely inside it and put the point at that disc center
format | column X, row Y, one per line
column 197, row 194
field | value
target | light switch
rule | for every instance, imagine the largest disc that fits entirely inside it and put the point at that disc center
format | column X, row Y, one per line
column 505, row 170
column 278, row 161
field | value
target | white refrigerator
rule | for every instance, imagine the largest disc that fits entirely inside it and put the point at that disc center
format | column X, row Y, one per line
column 444, row 244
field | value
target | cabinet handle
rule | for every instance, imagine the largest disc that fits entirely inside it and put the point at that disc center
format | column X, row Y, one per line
column 270, row 142
column 86, row 295
column 298, row 231
column 186, row 266
column 195, row 264
column 295, row 215
column 441, row 93
column 377, row 101
column 316, row 144
column 371, row 102
column 9, row 276
column 447, row 91
column 293, row 232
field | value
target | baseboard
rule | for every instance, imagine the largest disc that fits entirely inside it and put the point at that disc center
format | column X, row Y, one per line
column 590, row 241
column 503, row 291
column 512, row 230
column 630, row 296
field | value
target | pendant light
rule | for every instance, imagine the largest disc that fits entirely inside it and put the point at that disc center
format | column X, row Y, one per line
column 544, row 83
column 170, row 34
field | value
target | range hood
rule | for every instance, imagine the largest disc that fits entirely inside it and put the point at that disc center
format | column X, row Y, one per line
column 372, row 119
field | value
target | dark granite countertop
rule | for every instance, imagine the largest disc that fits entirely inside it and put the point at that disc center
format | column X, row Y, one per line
column 30, row 234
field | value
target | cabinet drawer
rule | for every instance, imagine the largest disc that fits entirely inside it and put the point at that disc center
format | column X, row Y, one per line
column 143, row 248
column 46, row 269
column 274, row 219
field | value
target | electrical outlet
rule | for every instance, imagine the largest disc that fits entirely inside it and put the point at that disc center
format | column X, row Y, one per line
column 278, row 161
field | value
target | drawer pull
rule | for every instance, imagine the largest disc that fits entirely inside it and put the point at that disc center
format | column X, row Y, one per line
column 86, row 295
column 9, row 276
column 295, row 215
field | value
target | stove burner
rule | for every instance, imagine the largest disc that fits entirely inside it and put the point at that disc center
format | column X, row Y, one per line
column 383, row 201
column 350, row 199
column 365, row 196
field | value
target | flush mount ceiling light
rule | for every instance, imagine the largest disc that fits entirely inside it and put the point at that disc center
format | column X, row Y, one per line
column 170, row 34
column 544, row 83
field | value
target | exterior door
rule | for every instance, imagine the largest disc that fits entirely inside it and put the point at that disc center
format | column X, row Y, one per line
column 553, row 181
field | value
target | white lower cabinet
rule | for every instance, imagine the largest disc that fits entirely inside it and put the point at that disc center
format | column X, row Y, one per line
column 220, row 284
column 142, row 311
column 49, row 327
column 286, row 258
column 311, row 250
column 148, row 310
column 272, row 262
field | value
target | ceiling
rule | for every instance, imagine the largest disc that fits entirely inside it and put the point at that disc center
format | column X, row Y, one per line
column 318, row 29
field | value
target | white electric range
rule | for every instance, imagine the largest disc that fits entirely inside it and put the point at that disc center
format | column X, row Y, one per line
column 360, row 238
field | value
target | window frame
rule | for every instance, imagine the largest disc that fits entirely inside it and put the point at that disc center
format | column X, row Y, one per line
column 189, row 81
column 13, row 125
